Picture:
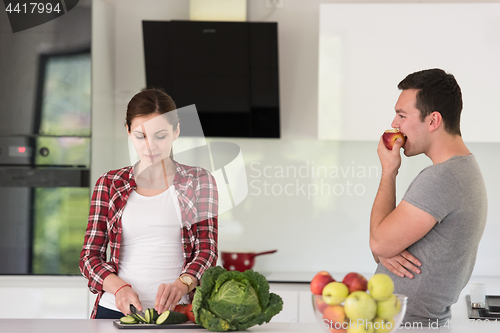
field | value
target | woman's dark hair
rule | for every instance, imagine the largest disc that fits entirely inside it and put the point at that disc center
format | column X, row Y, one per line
column 437, row 91
column 150, row 101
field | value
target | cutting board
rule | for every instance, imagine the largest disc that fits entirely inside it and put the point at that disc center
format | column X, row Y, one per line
column 120, row 325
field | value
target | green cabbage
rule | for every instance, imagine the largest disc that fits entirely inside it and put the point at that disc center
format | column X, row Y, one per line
column 234, row 301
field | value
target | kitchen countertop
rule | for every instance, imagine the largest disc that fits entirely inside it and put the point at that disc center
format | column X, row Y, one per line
column 459, row 324
column 289, row 277
column 106, row 326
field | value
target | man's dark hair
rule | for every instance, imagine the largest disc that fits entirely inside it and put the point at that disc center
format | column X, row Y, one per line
column 437, row 91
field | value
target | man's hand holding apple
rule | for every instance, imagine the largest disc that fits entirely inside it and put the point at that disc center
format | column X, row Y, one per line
column 390, row 159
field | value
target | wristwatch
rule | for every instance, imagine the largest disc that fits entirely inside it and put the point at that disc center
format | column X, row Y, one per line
column 187, row 280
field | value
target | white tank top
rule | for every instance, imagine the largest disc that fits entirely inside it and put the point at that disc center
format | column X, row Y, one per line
column 151, row 248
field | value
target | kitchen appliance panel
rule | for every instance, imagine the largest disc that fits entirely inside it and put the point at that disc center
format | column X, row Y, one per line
column 229, row 70
column 15, row 235
column 45, row 143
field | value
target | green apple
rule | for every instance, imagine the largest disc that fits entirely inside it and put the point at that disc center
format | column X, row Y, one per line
column 380, row 286
column 365, row 327
column 389, row 307
column 360, row 305
column 335, row 293
column 382, row 325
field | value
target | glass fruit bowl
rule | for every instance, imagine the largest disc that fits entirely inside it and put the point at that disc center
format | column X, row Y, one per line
column 359, row 312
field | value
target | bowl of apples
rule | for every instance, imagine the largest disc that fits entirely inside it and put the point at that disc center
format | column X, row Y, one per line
column 357, row 305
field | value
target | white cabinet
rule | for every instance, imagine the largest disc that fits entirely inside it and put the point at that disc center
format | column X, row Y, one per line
column 306, row 311
column 60, row 297
column 290, row 306
column 297, row 304
column 67, row 297
column 90, row 303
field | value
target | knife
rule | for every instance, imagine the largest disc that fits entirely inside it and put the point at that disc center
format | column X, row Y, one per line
column 134, row 310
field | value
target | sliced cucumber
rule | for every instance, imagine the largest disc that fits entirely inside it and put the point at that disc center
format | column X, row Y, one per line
column 147, row 316
column 151, row 315
column 154, row 315
column 171, row 317
column 138, row 318
column 128, row 320
column 141, row 318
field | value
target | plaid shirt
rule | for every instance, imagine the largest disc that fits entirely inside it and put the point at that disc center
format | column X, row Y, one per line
column 198, row 200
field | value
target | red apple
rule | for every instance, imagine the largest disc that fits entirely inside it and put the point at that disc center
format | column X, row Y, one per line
column 319, row 281
column 390, row 136
column 334, row 316
column 355, row 282
column 320, row 304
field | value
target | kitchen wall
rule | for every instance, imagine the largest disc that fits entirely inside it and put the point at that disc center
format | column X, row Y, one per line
column 309, row 199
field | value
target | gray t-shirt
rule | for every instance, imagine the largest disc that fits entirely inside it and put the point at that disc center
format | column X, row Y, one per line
column 454, row 193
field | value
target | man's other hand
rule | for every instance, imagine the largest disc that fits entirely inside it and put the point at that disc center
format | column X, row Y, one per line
column 402, row 264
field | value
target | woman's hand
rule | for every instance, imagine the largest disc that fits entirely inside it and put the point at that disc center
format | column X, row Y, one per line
column 169, row 295
column 126, row 296
column 402, row 264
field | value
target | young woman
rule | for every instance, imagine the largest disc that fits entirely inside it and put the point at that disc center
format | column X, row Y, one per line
column 158, row 217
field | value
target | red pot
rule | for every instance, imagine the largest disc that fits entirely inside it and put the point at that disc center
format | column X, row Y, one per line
column 240, row 261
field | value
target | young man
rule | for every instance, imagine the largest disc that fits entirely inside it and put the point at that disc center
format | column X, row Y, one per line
column 442, row 216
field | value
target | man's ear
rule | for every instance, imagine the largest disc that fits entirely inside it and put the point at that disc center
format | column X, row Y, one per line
column 435, row 120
